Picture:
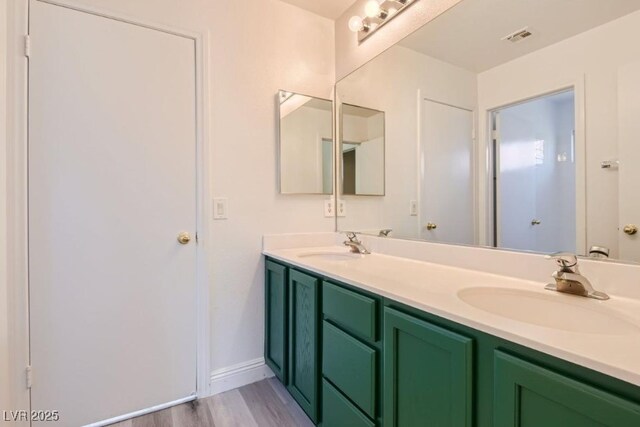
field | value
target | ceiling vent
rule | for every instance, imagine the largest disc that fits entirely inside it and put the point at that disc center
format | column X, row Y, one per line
column 518, row 35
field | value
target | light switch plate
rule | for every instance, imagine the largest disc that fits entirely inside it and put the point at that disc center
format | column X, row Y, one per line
column 342, row 208
column 329, row 210
column 220, row 208
column 413, row 208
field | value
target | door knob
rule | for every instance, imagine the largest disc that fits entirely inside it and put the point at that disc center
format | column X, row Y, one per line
column 630, row 229
column 184, row 238
column 536, row 222
column 431, row 226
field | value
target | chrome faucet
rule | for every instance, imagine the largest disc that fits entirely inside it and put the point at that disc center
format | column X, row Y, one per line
column 355, row 244
column 385, row 232
column 569, row 280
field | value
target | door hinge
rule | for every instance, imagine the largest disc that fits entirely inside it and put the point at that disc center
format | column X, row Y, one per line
column 27, row 46
column 495, row 135
column 29, row 375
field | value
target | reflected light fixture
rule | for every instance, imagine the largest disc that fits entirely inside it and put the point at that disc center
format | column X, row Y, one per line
column 377, row 13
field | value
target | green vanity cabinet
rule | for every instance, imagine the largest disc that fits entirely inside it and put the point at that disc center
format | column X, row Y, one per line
column 527, row 395
column 303, row 378
column 276, row 315
column 427, row 374
column 352, row 358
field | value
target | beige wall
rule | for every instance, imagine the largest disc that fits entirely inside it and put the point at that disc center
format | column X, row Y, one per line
column 256, row 48
column 351, row 55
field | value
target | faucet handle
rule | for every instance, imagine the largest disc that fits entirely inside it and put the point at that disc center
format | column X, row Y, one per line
column 564, row 259
column 352, row 236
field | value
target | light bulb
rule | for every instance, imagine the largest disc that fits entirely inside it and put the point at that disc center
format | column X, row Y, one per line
column 372, row 8
column 356, row 24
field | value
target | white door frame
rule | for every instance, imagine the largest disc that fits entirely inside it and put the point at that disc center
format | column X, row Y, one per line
column 17, row 194
column 533, row 91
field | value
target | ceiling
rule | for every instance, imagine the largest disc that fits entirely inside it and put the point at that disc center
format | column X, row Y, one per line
column 331, row 9
column 470, row 34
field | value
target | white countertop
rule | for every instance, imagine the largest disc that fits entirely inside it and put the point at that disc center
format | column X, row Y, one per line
column 434, row 288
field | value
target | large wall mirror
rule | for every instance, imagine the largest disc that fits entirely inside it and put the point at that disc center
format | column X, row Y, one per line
column 510, row 124
column 306, row 144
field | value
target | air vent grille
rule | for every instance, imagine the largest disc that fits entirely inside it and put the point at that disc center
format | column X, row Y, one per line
column 518, row 35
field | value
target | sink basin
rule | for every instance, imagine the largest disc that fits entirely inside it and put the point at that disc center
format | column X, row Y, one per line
column 331, row 256
column 565, row 312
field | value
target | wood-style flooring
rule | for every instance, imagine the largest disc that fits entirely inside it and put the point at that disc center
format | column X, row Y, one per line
column 266, row 403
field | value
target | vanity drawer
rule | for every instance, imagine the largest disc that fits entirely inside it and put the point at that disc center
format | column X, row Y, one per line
column 337, row 411
column 355, row 312
column 351, row 366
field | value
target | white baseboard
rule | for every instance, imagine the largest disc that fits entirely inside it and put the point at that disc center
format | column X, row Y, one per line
column 239, row 375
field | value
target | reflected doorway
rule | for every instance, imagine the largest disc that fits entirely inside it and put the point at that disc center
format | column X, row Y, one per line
column 535, row 174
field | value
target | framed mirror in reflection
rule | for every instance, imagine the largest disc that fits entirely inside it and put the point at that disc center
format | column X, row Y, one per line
column 306, row 144
column 524, row 134
column 362, row 151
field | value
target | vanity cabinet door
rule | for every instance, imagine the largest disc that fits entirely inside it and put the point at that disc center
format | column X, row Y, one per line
column 427, row 374
column 304, row 314
column 527, row 395
column 275, row 345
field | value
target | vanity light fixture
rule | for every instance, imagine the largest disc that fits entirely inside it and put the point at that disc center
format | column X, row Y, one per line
column 377, row 13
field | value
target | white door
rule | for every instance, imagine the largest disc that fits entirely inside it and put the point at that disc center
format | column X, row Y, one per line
column 629, row 134
column 536, row 162
column 446, row 163
column 112, row 182
column 516, row 182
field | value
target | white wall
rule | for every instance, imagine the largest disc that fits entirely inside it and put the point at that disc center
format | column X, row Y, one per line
column 593, row 57
column 256, row 48
column 434, row 79
column 351, row 55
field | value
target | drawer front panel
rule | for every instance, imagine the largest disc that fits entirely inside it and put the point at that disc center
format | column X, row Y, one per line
column 337, row 411
column 350, row 365
column 353, row 311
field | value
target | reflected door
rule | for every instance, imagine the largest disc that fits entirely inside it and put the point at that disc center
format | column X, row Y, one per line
column 112, row 183
column 446, row 168
column 535, row 175
column 629, row 134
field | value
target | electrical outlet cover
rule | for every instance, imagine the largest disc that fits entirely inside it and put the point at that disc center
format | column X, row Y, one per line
column 413, row 208
column 329, row 211
column 342, row 208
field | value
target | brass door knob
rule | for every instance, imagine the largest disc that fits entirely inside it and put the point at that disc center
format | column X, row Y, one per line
column 630, row 229
column 431, row 226
column 184, row 238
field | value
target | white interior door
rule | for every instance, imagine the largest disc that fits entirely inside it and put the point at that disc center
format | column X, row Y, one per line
column 112, row 182
column 446, row 162
column 536, row 157
column 629, row 134
column 516, row 182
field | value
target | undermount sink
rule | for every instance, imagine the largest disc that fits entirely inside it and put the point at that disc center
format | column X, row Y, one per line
column 565, row 312
column 331, row 255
